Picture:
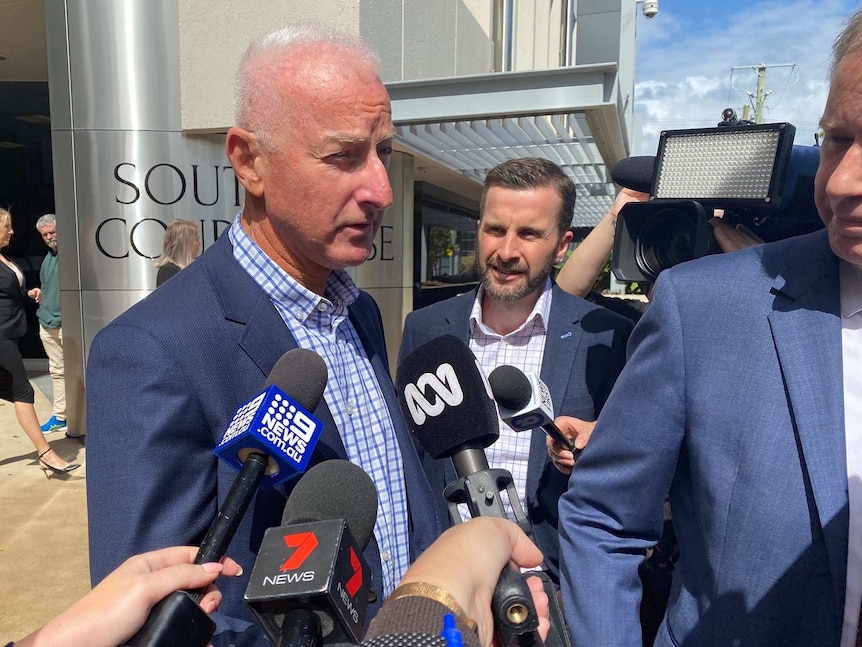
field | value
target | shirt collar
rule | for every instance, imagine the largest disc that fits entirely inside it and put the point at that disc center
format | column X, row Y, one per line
column 538, row 315
column 851, row 289
column 281, row 287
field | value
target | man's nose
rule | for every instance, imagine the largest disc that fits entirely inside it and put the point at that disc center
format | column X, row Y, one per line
column 846, row 179
column 375, row 189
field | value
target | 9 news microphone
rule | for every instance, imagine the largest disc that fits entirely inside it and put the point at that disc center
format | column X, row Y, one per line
column 525, row 403
column 310, row 572
column 273, row 435
column 445, row 395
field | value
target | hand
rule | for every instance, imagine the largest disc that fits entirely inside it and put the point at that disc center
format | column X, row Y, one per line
column 113, row 612
column 35, row 294
column 576, row 429
column 467, row 561
column 731, row 238
column 624, row 197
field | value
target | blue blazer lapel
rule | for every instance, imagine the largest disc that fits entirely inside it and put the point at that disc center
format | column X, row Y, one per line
column 806, row 328
column 420, row 497
column 562, row 339
column 457, row 321
column 262, row 334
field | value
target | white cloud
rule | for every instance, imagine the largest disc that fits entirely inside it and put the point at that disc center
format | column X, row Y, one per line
column 684, row 70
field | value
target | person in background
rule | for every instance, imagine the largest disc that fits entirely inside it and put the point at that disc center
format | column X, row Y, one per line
column 518, row 317
column 182, row 244
column 47, row 295
column 14, row 385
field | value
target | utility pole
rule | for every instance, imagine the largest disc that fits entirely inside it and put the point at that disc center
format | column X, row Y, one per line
column 760, row 95
column 761, row 92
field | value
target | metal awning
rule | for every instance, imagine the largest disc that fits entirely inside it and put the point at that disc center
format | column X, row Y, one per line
column 573, row 116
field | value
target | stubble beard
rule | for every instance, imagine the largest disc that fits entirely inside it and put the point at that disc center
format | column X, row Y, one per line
column 528, row 284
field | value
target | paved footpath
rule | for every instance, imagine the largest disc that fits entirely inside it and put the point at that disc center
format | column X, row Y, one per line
column 43, row 528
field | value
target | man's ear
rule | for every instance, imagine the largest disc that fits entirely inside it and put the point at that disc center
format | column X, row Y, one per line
column 245, row 155
column 563, row 247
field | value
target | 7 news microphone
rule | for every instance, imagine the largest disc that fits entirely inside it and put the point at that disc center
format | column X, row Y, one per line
column 448, row 402
column 525, row 403
column 310, row 583
column 271, row 436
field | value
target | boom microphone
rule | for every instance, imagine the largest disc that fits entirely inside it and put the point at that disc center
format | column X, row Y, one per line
column 310, row 581
column 525, row 403
column 272, row 435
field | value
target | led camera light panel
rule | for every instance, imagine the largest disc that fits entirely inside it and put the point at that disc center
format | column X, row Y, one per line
column 744, row 163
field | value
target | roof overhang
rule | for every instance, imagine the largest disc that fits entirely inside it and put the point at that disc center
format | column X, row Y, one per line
column 573, row 116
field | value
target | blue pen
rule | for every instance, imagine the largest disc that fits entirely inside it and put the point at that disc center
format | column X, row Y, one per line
column 450, row 632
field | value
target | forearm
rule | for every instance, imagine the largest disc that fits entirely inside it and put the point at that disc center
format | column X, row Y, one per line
column 583, row 266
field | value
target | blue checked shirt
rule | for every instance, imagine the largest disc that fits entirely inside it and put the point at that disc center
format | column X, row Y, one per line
column 352, row 392
column 522, row 348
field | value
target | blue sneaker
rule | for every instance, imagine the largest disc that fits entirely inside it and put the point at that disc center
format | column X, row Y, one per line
column 54, row 424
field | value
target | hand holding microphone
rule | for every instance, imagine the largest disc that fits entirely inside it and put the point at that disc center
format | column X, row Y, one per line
column 464, row 561
column 270, row 437
column 445, row 395
column 114, row 610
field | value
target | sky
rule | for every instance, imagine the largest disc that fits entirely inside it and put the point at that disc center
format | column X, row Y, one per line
column 684, row 56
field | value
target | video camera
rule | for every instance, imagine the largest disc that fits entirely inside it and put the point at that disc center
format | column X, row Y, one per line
column 751, row 171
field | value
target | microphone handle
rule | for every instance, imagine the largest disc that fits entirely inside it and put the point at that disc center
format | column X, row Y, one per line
column 516, row 621
column 301, row 628
column 554, row 432
column 223, row 528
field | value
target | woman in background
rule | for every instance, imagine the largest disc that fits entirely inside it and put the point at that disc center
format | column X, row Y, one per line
column 180, row 247
column 13, row 325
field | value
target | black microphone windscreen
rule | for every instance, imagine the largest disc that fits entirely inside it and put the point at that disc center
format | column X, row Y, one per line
column 635, row 172
column 446, row 398
column 511, row 388
column 334, row 489
column 302, row 374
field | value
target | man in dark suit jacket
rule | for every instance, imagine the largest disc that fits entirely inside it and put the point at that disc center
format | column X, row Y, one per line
column 517, row 317
column 311, row 148
column 741, row 400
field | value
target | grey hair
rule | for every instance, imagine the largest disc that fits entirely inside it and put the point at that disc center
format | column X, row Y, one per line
column 46, row 221
column 256, row 100
column 849, row 41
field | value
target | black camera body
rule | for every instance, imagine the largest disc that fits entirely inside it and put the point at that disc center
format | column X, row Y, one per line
column 752, row 172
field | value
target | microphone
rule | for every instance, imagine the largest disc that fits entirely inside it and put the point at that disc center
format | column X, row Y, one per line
column 525, row 403
column 445, row 394
column 310, row 581
column 272, row 435
column 443, row 391
column 635, row 172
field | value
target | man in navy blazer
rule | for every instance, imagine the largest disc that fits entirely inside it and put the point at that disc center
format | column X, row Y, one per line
column 518, row 317
column 311, row 148
column 741, row 400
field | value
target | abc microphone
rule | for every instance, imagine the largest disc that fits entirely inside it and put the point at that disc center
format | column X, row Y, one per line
column 272, row 435
column 525, row 403
column 310, row 582
column 445, row 395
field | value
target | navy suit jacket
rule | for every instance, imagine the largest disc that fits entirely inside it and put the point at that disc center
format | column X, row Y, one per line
column 731, row 403
column 584, row 352
column 162, row 382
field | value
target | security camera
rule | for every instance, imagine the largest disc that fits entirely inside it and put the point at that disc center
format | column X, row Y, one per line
column 650, row 9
